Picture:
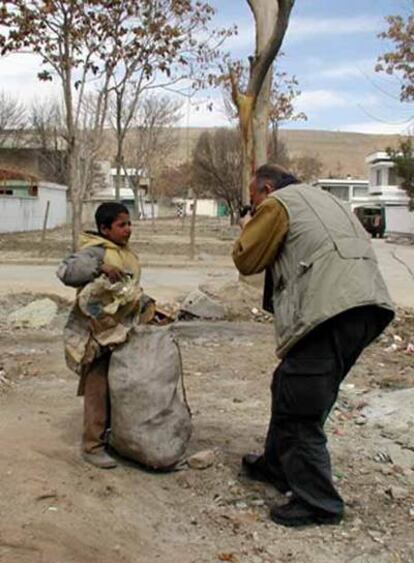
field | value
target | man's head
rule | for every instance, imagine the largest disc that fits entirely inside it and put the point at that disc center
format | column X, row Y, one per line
column 113, row 222
column 267, row 179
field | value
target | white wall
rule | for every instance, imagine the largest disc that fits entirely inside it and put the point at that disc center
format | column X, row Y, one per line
column 205, row 207
column 27, row 214
column 89, row 208
column 399, row 219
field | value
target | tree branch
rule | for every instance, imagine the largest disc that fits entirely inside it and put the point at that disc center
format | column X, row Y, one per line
column 263, row 62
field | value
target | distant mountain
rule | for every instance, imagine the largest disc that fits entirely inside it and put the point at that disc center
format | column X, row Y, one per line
column 341, row 154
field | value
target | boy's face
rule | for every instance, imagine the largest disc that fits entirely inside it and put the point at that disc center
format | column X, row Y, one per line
column 120, row 230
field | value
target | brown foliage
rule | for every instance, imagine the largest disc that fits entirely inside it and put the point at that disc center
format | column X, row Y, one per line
column 400, row 61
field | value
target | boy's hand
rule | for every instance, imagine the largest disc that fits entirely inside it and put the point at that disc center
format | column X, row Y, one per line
column 114, row 274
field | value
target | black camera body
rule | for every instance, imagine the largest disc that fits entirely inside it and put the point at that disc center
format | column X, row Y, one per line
column 245, row 210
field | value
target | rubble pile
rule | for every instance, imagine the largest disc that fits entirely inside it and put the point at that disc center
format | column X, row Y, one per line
column 33, row 311
column 241, row 301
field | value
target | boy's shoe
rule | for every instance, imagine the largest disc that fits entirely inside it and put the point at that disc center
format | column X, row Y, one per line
column 255, row 467
column 295, row 513
column 100, row 459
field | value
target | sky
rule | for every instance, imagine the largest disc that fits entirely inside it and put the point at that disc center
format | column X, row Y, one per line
column 331, row 48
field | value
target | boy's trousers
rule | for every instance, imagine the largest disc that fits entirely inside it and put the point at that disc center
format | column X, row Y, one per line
column 96, row 418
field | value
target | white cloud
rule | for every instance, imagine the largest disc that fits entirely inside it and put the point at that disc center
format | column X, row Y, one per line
column 315, row 100
column 199, row 114
column 244, row 40
column 357, row 69
column 377, row 128
column 19, row 78
column 304, row 28
column 312, row 101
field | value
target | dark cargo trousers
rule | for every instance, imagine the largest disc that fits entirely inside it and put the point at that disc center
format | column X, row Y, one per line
column 304, row 389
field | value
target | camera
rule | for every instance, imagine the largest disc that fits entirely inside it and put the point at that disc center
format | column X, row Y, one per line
column 245, row 210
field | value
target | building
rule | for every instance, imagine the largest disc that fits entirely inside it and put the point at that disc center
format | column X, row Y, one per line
column 205, row 207
column 132, row 183
column 385, row 190
column 352, row 191
column 381, row 189
column 25, row 201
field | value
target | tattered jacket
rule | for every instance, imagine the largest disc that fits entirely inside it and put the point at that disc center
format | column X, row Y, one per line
column 103, row 313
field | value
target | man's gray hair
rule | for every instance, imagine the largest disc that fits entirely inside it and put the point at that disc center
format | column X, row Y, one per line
column 274, row 175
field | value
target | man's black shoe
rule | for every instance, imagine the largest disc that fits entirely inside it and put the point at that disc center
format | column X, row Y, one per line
column 295, row 514
column 256, row 468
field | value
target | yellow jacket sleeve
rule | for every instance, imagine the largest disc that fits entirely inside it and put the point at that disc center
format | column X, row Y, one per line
column 261, row 238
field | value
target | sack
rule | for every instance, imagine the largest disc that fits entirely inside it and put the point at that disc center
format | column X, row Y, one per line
column 150, row 421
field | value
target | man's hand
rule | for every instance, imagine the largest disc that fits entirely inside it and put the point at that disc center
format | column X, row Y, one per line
column 114, row 274
column 244, row 220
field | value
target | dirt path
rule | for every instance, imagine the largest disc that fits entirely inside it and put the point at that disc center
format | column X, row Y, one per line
column 161, row 283
column 56, row 509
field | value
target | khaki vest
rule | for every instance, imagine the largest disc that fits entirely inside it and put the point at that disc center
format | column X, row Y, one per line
column 326, row 265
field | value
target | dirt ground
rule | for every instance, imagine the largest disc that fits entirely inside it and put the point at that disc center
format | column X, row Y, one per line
column 56, row 509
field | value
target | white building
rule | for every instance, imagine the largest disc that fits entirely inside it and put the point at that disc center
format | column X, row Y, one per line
column 129, row 179
column 24, row 203
column 384, row 189
column 205, row 207
column 353, row 191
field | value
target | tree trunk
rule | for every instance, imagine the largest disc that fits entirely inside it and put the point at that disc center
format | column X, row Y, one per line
column 232, row 216
column 119, row 146
column 137, row 212
column 193, row 227
column 261, row 123
column 118, row 164
column 75, row 194
column 245, row 105
column 152, row 203
column 266, row 14
column 271, row 21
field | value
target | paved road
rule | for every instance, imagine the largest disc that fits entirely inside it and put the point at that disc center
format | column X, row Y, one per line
column 161, row 283
column 167, row 283
column 396, row 262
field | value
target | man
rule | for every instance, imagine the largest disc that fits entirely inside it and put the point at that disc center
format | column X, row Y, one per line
column 329, row 302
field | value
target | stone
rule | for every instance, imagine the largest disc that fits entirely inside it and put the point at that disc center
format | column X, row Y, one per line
column 391, row 411
column 202, row 460
column 397, row 493
column 200, row 305
column 36, row 314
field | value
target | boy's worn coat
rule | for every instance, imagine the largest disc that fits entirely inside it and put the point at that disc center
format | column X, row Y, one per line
column 103, row 313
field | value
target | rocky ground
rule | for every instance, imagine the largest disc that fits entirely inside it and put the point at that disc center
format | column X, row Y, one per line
column 56, row 509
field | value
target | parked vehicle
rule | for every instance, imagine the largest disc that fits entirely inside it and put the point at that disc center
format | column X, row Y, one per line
column 372, row 218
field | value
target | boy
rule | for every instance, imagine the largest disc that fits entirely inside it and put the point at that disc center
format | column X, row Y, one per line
column 91, row 332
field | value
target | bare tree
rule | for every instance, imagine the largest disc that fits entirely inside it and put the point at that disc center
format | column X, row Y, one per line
column 278, row 152
column 173, row 181
column 217, row 162
column 166, row 45
column 154, row 138
column 78, row 42
column 13, row 119
column 285, row 90
column 47, row 128
column 271, row 22
column 307, row 168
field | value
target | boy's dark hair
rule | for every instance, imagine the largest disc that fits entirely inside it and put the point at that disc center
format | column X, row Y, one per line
column 107, row 212
column 275, row 175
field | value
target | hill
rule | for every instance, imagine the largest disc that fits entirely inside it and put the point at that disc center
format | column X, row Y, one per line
column 341, row 154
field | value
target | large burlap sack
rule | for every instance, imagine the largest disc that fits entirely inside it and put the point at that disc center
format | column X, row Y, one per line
column 150, row 417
